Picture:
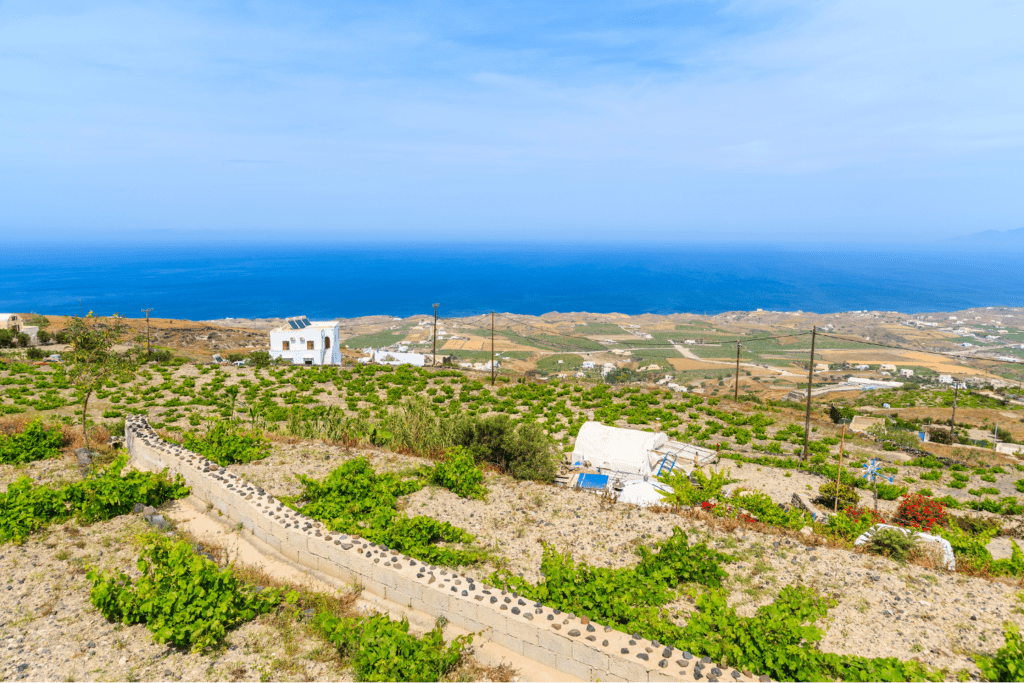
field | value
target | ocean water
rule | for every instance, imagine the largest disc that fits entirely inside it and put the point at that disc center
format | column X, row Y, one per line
column 325, row 281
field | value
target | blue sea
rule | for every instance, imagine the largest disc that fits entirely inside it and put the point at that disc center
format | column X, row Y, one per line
column 241, row 280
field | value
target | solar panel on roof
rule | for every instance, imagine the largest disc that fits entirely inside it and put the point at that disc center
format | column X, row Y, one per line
column 294, row 326
column 306, row 321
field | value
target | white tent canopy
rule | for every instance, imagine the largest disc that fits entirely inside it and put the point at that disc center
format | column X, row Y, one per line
column 643, row 493
column 620, row 450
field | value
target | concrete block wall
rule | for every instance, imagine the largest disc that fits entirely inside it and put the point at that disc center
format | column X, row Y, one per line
column 568, row 643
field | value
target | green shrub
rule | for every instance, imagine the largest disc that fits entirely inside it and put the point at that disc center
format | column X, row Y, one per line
column 850, row 523
column 686, row 493
column 1006, row 505
column 26, row 508
column 259, row 359
column 847, row 495
column 459, row 473
column 37, row 441
column 35, row 353
column 1008, row 662
column 353, row 499
column 932, row 475
column 227, row 444
column 381, row 649
column 893, row 543
column 181, row 597
column 766, row 511
column 984, row 491
column 525, row 450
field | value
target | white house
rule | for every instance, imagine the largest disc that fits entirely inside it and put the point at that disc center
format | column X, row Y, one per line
column 306, row 343
column 11, row 321
column 906, row 372
column 588, row 365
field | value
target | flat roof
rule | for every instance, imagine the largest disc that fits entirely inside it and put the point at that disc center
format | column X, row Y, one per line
column 317, row 324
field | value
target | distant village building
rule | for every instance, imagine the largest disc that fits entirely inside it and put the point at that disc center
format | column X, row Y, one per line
column 945, row 379
column 385, row 357
column 887, row 367
column 306, row 343
column 821, row 367
column 11, row 321
column 907, row 372
column 588, row 365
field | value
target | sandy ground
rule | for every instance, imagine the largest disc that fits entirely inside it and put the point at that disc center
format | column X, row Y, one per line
column 49, row 629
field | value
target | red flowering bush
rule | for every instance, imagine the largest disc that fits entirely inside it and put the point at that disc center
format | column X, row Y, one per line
column 920, row 512
column 707, row 506
column 862, row 516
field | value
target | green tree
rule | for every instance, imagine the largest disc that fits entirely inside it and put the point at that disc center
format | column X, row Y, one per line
column 259, row 359
column 40, row 321
column 44, row 337
column 92, row 360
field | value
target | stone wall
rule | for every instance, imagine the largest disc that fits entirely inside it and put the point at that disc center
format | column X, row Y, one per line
column 563, row 641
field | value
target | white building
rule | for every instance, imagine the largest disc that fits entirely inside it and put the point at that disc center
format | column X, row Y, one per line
column 385, row 357
column 306, row 343
column 945, row 379
column 907, row 372
column 11, row 321
column 588, row 365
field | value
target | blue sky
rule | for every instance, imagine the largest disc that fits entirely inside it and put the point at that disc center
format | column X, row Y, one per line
column 858, row 120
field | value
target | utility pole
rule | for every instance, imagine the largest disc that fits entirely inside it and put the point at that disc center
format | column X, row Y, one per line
column 148, row 352
column 433, row 360
column 952, row 419
column 492, row 348
column 736, row 389
column 810, row 381
column 839, row 472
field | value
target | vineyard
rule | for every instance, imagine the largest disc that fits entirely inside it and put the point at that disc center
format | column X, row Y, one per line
column 473, row 443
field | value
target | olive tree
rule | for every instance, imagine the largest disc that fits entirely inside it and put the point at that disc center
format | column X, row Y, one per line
column 93, row 360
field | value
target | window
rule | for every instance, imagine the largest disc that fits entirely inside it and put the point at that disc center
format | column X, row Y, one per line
column 309, row 361
column 327, row 342
column 284, row 346
column 309, row 346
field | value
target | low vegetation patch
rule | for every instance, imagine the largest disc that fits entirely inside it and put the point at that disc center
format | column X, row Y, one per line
column 26, row 508
column 381, row 649
column 779, row 640
column 226, row 443
column 458, row 473
column 37, row 441
column 181, row 597
column 353, row 499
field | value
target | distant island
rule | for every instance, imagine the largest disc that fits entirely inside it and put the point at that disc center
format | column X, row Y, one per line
column 990, row 238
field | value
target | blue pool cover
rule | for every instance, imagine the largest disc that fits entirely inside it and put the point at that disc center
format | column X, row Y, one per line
column 592, row 481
